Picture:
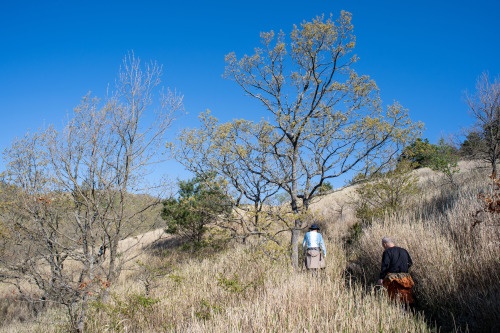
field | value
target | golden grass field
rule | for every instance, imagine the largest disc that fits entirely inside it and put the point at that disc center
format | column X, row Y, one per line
column 239, row 289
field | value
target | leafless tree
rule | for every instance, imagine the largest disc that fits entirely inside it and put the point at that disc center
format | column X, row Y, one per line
column 484, row 106
column 80, row 191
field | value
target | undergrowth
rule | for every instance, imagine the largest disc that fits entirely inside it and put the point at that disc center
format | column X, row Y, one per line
column 238, row 288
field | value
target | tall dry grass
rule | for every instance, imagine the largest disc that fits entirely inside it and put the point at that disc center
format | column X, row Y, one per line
column 242, row 291
column 239, row 289
column 456, row 267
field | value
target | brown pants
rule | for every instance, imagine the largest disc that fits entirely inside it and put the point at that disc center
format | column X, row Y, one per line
column 399, row 286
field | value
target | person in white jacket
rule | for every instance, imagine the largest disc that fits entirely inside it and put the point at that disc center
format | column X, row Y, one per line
column 314, row 249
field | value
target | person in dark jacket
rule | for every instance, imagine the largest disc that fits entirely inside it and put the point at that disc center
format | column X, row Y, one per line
column 394, row 275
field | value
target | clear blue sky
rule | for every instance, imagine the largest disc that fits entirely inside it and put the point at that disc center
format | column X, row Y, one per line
column 424, row 54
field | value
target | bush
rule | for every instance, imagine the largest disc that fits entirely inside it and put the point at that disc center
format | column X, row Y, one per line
column 419, row 153
column 200, row 203
column 441, row 157
column 444, row 159
column 386, row 193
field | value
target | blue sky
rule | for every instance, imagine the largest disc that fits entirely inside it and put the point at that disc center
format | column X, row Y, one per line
column 424, row 54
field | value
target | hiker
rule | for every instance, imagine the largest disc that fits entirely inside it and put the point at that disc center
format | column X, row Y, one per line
column 314, row 249
column 394, row 274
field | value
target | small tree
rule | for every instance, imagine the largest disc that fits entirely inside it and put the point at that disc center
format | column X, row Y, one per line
column 419, row 153
column 444, row 158
column 229, row 151
column 484, row 106
column 198, row 206
column 474, row 145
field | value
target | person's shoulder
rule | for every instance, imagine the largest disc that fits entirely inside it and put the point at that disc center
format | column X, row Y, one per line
column 400, row 249
column 394, row 249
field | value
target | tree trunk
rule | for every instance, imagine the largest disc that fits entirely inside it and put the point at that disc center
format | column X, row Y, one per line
column 295, row 246
column 494, row 167
column 298, row 223
column 112, row 270
column 80, row 325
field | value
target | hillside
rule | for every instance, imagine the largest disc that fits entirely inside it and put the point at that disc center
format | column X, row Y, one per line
column 237, row 288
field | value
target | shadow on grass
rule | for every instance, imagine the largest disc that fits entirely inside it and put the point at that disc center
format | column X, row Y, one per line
column 13, row 310
column 160, row 246
column 178, row 249
column 440, row 204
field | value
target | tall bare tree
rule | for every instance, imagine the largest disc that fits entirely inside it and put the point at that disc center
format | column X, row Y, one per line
column 81, row 190
column 327, row 121
column 484, row 105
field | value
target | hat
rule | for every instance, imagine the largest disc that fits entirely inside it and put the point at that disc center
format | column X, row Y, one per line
column 314, row 227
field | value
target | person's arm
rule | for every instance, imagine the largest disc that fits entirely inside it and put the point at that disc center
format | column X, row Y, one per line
column 322, row 244
column 304, row 243
column 385, row 265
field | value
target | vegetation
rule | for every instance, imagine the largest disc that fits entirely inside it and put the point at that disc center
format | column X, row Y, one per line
column 484, row 106
column 472, row 146
column 444, row 159
column 419, row 153
column 198, row 206
column 457, row 264
column 325, row 120
column 77, row 252
column 456, row 267
column 76, row 193
column 391, row 192
column 441, row 157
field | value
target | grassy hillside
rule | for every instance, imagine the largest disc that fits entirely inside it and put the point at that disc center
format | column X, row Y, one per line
column 237, row 288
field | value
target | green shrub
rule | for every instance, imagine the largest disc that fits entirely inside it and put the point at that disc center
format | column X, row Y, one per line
column 445, row 160
column 419, row 153
column 200, row 203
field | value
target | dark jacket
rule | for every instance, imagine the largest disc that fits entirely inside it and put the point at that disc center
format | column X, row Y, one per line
column 395, row 260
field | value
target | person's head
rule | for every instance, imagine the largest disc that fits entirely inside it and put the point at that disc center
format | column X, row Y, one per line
column 387, row 242
column 314, row 227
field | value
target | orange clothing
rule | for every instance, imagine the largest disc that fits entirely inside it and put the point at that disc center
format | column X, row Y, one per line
column 399, row 286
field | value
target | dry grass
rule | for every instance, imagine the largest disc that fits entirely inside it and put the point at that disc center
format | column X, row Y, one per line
column 239, row 289
column 243, row 291
column 457, row 267
column 335, row 213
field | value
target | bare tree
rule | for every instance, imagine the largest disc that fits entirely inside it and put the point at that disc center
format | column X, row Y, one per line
column 326, row 120
column 484, row 105
column 81, row 190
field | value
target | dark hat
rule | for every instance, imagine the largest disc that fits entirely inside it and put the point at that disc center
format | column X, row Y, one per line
column 314, row 227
